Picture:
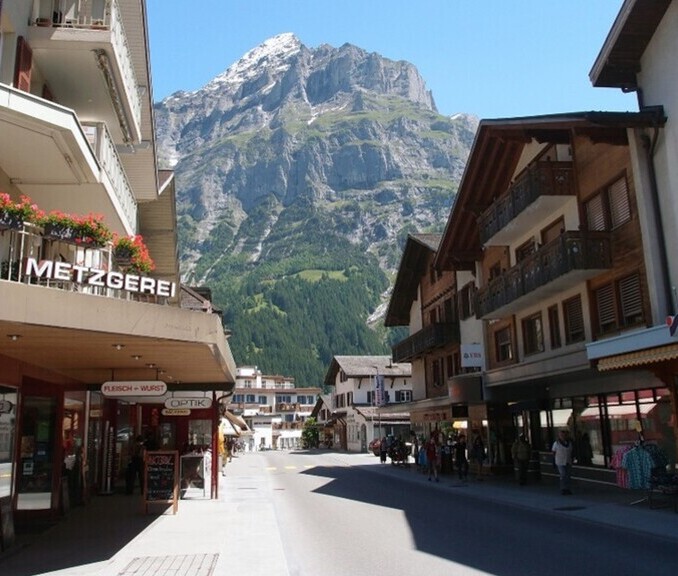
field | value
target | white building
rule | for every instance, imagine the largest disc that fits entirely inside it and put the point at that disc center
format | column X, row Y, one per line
column 273, row 407
column 361, row 386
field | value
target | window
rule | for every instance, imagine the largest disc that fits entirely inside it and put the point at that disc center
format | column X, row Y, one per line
column 525, row 250
column 403, row 396
column 250, row 399
column 263, row 400
column 554, row 327
column 503, row 345
column 574, row 320
column 533, row 334
column 552, row 231
column 619, row 304
column 450, row 366
column 238, row 398
column 437, row 373
column 610, row 208
column 495, row 271
column 449, row 310
column 371, row 399
column 466, row 302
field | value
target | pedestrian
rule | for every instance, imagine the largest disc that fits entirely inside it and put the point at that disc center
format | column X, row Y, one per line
column 460, row 459
column 383, row 448
column 432, row 454
column 562, row 458
column 135, row 467
column 521, row 452
column 478, row 453
column 415, row 449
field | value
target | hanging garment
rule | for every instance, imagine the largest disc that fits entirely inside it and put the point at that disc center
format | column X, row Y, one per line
column 638, row 464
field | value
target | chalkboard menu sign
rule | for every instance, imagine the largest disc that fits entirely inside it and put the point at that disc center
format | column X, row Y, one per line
column 161, row 478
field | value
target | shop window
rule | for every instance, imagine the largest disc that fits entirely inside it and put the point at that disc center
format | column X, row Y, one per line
column 503, row 345
column 554, row 327
column 574, row 320
column 533, row 334
column 200, row 432
column 8, row 416
column 619, row 304
column 610, row 208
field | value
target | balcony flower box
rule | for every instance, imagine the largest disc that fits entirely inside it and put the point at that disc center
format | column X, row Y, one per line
column 89, row 231
column 131, row 253
column 14, row 214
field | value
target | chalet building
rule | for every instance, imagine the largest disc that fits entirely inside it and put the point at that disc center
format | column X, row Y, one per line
column 557, row 249
column 444, row 345
column 639, row 55
column 93, row 346
column 325, row 419
column 273, row 408
column 362, row 387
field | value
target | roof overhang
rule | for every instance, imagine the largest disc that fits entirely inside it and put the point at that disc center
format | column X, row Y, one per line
column 618, row 62
column 90, row 339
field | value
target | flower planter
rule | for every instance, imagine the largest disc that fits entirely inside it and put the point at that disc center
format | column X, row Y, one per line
column 122, row 258
column 60, row 232
column 10, row 220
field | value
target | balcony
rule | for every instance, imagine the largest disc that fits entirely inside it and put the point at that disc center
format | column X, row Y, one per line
column 77, row 45
column 287, row 407
column 61, row 164
column 542, row 190
column 288, row 426
column 29, row 257
column 428, row 338
column 563, row 263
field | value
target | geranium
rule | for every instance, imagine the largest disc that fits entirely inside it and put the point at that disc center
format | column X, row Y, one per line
column 24, row 209
column 88, row 229
column 134, row 249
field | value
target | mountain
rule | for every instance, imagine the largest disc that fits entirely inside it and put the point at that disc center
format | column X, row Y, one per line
column 299, row 174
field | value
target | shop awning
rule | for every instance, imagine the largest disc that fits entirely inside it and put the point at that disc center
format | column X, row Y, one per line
column 236, row 422
column 639, row 358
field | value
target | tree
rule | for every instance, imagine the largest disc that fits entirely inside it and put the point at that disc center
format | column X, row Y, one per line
column 309, row 435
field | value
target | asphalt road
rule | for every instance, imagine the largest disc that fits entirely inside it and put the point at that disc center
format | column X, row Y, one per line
column 314, row 514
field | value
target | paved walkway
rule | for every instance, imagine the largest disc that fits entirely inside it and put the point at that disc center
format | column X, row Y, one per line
column 111, row 536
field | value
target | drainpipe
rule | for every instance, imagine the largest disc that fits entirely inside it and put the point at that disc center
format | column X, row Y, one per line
column 649, row 145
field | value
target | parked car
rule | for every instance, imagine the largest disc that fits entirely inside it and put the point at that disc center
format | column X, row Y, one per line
column 375, row 446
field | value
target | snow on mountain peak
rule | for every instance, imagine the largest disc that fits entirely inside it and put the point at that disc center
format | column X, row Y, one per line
column 272, row 54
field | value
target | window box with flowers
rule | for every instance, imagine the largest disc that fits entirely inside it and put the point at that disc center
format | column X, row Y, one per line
column 14, row 214
column 131, row 253
column 89, row 231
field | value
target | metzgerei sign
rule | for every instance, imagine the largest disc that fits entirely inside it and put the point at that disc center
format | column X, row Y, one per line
column 120, row 389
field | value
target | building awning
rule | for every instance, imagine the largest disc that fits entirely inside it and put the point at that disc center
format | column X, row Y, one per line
column 237, row 423
column 639, row 358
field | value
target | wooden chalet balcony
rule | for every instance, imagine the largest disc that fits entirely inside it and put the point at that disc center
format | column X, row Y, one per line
column 288, row 426
column 287, row 407
column 539, row 191
column 428, row 338
column 557, row 266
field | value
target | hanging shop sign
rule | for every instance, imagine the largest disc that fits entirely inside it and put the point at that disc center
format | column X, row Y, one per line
column 176, row 412
column 190, row 403
column 121, row 389
column 472, row 356
column 66, row 272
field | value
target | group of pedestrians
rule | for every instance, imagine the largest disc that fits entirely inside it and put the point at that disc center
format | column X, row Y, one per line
column 461, row 456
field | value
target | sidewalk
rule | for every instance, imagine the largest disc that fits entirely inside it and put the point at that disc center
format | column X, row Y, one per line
column 112, row 537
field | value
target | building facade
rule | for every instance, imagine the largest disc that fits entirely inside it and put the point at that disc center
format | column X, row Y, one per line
column 93, row 346
column 273, row 408
column 368, row 393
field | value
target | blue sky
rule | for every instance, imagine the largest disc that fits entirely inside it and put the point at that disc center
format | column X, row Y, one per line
column 491, row 58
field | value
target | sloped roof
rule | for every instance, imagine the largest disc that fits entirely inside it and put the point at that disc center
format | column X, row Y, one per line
column 494, row 156
column 410, row 272
column 366, row 366
column 618, row 62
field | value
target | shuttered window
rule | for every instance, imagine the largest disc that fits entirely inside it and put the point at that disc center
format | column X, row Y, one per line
column 595, row 213
column 620, row 209
column 607, row 317
column 574, row 320
column 631, row 300
column 503, row 345
column 23, row 65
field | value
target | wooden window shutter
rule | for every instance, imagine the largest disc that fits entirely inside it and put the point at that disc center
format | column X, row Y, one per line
column 23, row 64
column 631, row 300
column 620, row 208
column 595, row 213
column 574, row 320
column 607, row 318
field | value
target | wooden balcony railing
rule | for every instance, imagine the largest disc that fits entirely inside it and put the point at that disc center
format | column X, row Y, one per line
column 428, row 338
column 571, row 251
column 543, row 179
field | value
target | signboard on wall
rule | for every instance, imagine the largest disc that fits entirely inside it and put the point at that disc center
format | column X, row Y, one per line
column 189, row 403
column 121, row 389
column 472, row 356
